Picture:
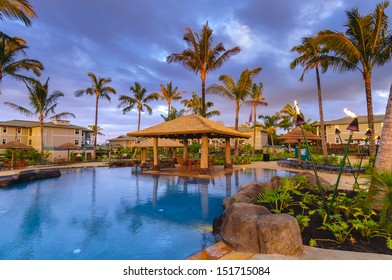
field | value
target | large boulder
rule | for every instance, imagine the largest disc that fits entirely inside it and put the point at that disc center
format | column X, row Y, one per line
column 279, row 234
column 239, row 226
column 313, row 181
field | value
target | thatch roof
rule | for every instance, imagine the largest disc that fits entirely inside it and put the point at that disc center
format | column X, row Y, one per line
column 15, row 145
column 68, row 145
column 162, row 143
column 116, row 146
column 190, row 126
column 296, row 134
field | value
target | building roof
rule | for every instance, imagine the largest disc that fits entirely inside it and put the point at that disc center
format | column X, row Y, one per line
column 348, row 120
column 28, row 124
column 121, row 138
column 189, row 126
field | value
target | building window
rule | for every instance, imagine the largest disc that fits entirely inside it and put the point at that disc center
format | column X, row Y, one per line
column 30, row 131
column 18, row 140
column 337, row 140
column 77, row 142
column 30, row 142
column 19, row 130
column 76, row 130
column 4, row 129
column 4, row 140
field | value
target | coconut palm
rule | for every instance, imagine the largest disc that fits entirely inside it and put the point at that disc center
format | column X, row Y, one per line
column 17, row 9
column 101, row 90
column 10, row 49
column 256, row 99
column 201, row 57
column 235, row 91
column 174, row 114
column 43, row 106
column 194, row 105
column 384, row 155
column 312, row 56
column 366, row 43
column 169, row 93
column 139, row 101
column 269, row 125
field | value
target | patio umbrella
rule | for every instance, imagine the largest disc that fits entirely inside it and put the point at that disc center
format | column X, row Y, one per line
column 297, row 136
column 68, row 146
column 14, row 145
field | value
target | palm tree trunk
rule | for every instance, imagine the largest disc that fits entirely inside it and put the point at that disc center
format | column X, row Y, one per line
column 384, row 155
column 369, row 104
column 273, row 145
column 96, row 128
column 168, row 108
column 41, row 125
column 138, row 120
column 203, row 94
column 321, row 112
column 254, row 129
column 237, row 112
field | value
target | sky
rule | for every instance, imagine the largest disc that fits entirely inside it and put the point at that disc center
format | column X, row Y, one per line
column 129, row 40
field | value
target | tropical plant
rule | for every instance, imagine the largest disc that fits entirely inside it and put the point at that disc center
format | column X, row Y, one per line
column 139, row 101
column 238, row 91
column 97, row 129
column 312, row 55
column 17, row 9
column 201, row 57
column 174, row 114
column 195, row 106
column 169, row 93
column 10, row 49
column 256, row 99
column 43, row 106
column 269, row 125
column 101, row 90
column 366, row 43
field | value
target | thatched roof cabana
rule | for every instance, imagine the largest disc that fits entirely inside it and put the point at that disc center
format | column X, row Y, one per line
column 14, row 145
column 191, row 127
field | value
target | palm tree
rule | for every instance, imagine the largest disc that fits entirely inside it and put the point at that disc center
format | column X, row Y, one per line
column 201, row 57
column 10, row 66
column 312, row 56
column 43, row 106
column 140, row 100
column 236, row 91
column 101, row 90
column 194, row 105
column 270, row 124
column 19, row 9
column 256, row 99
column 366, row 43
column 169, row 94
column 384, row 155
column 174, row 114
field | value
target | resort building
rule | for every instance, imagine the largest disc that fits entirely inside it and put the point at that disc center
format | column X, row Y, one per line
column 341, row 125
column 261, row 137
column 56, row 133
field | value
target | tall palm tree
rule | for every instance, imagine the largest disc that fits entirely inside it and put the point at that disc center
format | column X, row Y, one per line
column 140, row 100
column 194, row 105
column 290, row 112
column 43, row 106
column 201, row 57
column 101, row 90
column 10, row 49
column 384, row 155
column 312, row 55
column 270, row 124
column 169, row 93
column 256, row 99
column 174, row 114
column 366, row 43
column 235, row 91
column 18, row 9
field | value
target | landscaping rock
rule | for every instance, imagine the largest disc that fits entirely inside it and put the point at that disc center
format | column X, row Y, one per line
column 312, row 180
column 239, row 226
column 279, row 234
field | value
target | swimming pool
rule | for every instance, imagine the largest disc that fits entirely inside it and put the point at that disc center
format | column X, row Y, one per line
column 115, row 213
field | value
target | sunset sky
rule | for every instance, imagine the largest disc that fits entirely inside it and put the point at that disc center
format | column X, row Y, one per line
column 129, row 41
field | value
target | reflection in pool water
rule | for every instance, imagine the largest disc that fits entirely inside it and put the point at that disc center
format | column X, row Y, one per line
column 114, row 213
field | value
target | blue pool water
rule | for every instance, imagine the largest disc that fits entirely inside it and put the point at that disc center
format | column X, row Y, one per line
column 114, row 213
